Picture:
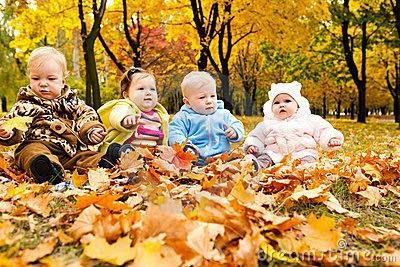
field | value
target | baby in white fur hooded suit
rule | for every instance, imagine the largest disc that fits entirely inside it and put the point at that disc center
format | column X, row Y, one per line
column 289, row 127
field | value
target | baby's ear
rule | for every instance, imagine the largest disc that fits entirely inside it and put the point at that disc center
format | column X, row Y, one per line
column 186, row 101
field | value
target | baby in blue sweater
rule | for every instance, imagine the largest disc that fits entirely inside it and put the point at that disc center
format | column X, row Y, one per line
column 202, row 120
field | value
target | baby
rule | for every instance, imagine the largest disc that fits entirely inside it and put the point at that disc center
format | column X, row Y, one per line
column 137, row 118
column 62, row 124
column 289, row 127
column 202, row 121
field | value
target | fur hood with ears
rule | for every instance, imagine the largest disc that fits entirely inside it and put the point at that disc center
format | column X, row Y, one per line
column 293, row 89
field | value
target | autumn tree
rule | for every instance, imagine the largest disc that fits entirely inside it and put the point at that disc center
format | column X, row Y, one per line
column 364, row 20
column 248, row 66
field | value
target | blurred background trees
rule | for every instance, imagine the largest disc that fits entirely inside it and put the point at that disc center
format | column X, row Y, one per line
column 345, row 53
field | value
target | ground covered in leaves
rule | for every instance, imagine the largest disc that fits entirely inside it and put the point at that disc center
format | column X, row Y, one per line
column 156, row 209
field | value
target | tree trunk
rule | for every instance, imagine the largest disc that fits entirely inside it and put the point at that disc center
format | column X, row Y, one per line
column 92, row 79
column 352, row 110
column 348, row 52
column 324, row 111
column 3, row 103
column 396, row 109
column 75, row 54
column 202, row 62
column 338, row 109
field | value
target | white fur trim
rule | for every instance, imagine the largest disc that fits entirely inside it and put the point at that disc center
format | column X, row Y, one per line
column 293, row 89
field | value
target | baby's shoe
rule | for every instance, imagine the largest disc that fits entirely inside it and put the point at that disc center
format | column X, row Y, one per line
column 126, row 148
column 43, row 170
column 111, row 157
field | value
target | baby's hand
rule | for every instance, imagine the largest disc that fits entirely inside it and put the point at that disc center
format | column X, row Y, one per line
column 230, row 133
column 3, row 133
column 252, row 150
column 97, row 135
column 334, row 142
column 130, row 121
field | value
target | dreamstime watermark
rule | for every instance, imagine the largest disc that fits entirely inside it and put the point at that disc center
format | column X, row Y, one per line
column 340, row 255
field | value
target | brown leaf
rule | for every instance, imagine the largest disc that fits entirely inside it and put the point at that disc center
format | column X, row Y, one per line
column 43, row 249
column 38, row 204
column 131, row 162
column 84, row 223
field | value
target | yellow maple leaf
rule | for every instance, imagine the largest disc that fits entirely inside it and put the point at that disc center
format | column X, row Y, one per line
column 117, row 253
column 320, row 234
column 359, row 182
column 19, row 123
column 77, row 179
column 240, row 193
column 300, row 192
column 154, row 252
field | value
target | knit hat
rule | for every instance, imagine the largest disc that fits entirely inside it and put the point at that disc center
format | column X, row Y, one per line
column 293, row 89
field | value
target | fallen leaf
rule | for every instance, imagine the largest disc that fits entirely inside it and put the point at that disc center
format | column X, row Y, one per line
column 359, row 182
column 333, row 204
column 154, row 252
column 320, row 234
column 131, row 162
column 117, row 253
column 98, row 178
column 43, row 249
column 202, row 240
column 84, row 223
column 241, row 194
column 38, row 204
column 300, row 192
column 78, row 180
column 372, row 195
column 19, row 123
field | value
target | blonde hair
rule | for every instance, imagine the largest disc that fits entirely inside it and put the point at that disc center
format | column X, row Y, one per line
column 133, row 75
column 41, row 55
column 195, row 80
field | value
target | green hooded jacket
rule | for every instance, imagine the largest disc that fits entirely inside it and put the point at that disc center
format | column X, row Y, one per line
column 113, row 112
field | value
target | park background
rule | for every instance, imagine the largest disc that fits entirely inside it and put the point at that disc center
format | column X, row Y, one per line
column 345, row 53
column 345, row 210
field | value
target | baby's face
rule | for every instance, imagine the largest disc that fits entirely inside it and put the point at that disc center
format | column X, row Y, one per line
column 284, row 106
column 143, row 93
column 202, row 100
column 47, row 81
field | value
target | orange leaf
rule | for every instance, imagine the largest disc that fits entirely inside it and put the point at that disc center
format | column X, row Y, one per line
column 106, row 201
column 6, row 167
column 79, row 180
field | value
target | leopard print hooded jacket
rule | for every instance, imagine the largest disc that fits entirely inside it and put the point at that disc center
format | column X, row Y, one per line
column 65, row 121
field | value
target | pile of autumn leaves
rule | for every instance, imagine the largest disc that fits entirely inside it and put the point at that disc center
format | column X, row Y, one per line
column 156, row 209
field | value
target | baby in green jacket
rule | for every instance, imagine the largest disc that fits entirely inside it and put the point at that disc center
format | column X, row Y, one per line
column 136, row 119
